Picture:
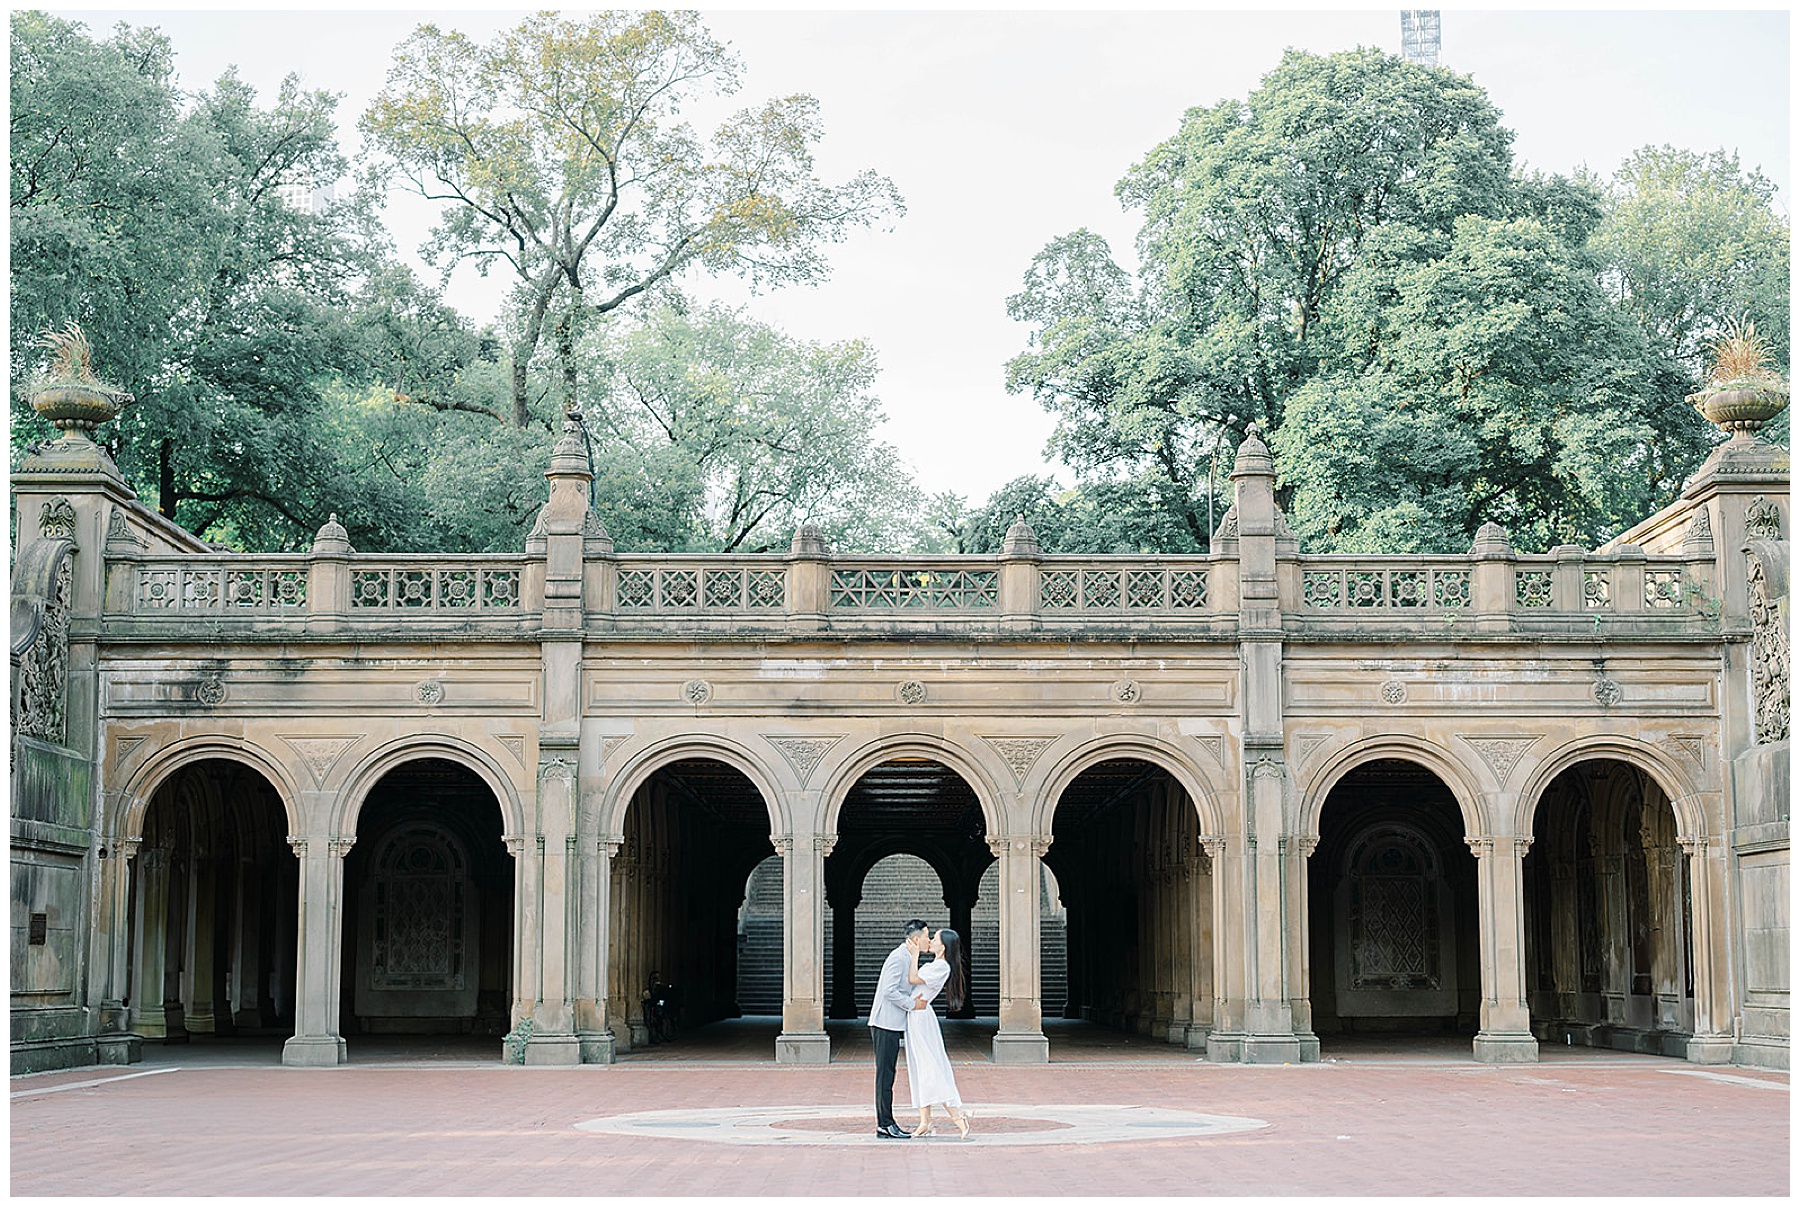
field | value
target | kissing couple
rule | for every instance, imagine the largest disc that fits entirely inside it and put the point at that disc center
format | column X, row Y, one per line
column 902, row 1006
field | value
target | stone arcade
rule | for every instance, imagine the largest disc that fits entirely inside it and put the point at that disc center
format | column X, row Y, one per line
column 1533, row 798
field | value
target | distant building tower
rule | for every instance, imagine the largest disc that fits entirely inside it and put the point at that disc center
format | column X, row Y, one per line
column 298, row 192
column 1419, row 36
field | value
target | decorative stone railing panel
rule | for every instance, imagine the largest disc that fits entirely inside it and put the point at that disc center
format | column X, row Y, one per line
column 1329, row 585
column 438, row 587
column 221, row 586
column 1127, row 588
column 915, row 588
column 680, row 588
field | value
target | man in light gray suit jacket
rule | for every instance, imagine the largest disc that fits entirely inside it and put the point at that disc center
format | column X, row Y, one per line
column 887, row 1022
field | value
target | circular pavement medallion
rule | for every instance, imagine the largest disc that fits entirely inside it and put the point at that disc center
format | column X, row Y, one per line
column 993, row 1125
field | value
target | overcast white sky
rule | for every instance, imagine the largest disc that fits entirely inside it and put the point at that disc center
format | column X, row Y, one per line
column 1004, row 129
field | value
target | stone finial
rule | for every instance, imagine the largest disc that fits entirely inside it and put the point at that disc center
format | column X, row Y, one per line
column 569, row 458
column 331, row 538
column 1021, row 540
column 1253, row 455
column 809, row 541
column 1491, row 540
column 1699, row 538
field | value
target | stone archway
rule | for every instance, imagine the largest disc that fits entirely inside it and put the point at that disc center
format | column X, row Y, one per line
column 911, row 841
column 1394, row 938
column 1608, row 907
column 693, row 834
column 429, row 905
column 1138, row 895
column 213, row 925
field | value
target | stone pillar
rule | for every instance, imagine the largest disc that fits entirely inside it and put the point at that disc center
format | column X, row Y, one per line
column 803, row 1039
column 592, row 1031
column 619, row 936
column 843, row 951
column 151, row 943
column 1225, row 1041
column 1021, row 1037
column 1712, row 1040
column 203, row 899
column 1201, row 947
column 1298, row 852
column 553, row 1040
column 175, row 928
column 1268, row 1018
column 318, row 988
column 960, row 901
column 1505, row 1036
column 246, row 1001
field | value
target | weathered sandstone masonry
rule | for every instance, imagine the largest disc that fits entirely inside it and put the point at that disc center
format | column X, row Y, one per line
column 1539, row 797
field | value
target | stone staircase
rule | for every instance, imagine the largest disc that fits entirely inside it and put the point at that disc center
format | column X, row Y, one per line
column 898, row 887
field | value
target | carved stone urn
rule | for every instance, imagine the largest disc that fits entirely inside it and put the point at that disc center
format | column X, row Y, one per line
column 1743, row 409
column 67, row 393
column 77, row 406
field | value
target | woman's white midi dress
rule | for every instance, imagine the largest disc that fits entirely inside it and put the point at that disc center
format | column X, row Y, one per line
column 927, row 1065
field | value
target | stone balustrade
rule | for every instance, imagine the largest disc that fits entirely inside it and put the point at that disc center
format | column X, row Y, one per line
column 1568, row 589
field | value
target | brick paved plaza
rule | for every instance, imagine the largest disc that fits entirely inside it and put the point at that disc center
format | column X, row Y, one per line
column 1411, row 1117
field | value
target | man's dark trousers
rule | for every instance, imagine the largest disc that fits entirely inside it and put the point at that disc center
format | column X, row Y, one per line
column 887, row 1056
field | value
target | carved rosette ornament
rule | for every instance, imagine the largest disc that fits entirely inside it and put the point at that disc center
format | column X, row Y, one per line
column 211, row 691
column 1608, row 692
column 1127, row 692
column 1393, row 692
column 910, row 692
column 696, row 691
column 429, row 692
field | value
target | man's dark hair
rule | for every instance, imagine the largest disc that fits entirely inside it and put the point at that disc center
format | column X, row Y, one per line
column 913, row 927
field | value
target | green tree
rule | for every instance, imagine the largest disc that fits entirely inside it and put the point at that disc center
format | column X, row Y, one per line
column 558, row 150
column 1348, row 257
column 1689, row 242
column 714, row 432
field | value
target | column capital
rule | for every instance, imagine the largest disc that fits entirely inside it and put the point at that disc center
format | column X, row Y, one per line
column 339, row 845
column 827, row 843
column 298, row 843
column 1213, row 845
column 783, row 844
column 1695, row 846
column 609, row 847
column 126, row 848
column 999, row 844
column 1506, row 845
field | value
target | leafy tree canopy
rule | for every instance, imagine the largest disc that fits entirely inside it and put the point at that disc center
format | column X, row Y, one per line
column 1431, row 338
column 558, row 151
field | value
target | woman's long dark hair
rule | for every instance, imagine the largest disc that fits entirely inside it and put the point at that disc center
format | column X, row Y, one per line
column 957, row 987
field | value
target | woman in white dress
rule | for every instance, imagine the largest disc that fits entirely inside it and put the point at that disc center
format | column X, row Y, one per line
column 927, row 1065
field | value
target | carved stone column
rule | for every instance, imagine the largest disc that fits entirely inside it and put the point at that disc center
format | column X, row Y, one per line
column 1712, row 1042
column 592, row 1030
column 1201, row 946
column 110, row 953
column 1225, row 1041
column 203, row 896
column 1021, row 1037
column 803, row 1039
column 548, row 901
column 247, row 962
column 843, row 951
column 1268, row 1018
column 318, row 990
column 175, row 929
column 1505, row 1036
column 1298, row 851
column 150, row 941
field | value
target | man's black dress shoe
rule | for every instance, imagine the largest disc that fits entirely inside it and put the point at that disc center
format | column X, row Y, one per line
column 893, row 1131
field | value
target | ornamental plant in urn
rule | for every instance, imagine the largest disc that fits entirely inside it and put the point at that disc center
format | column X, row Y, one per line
column 67, row 393
column 1744, row 391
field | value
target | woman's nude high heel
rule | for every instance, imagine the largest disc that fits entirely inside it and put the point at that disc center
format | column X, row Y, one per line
column 962, row 1124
